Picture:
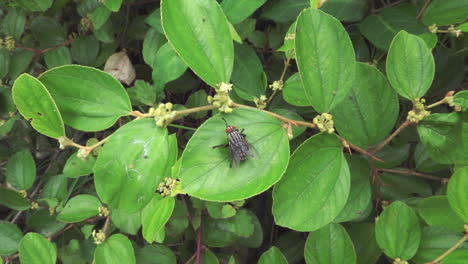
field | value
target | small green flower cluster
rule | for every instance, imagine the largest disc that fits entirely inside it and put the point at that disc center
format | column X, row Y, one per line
column 419, row 111
column 221, row 100
column 167, row 187
column 277, row 85
column 324, row 123
column 103, row 211
column 163, row 115
column 261, row 102
column 8, row 42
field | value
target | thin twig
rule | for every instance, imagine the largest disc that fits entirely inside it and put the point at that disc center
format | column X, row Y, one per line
column 414, row 173
column 387, row 6
column 452, row 248
column 60, row 232
column 360, row 150
column 423, row 8
column 199, row 244
column 394, row 134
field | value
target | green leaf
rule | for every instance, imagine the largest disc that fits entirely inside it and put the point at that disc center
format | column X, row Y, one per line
column 220, row 210
column 457, row 194
column 442, row 135
column 205, row 172
column 19, row 63
column 238, row 10
column 167, row 66
column 224, row 232
column 325, row 58
column 285, row 10
column 436, row 211
column 315, row 187
column 125, row 222
column 10, row 236
column 36, row 249
column 441, row 12
column 143, row 93
column 369, row 112
column 398, row 232
column 360, row 195
column 34, row 102
column 400, row 187
column 42, row 222
column 13, row 23
column 89, row 99
column 248, row 76
column 99, row 17
column 329, row 244
column 155, row 254
column 58, row 57
column 196, row 99
column 154, row 20
column 116, row 249
column 79, row 208
column 296, row 130
column 151, row 44
column 132, row 163
column 272, row 256
column 435, row 241
column 34, row 5
column 410, row 66
column 461, row 99
column 346, row 10
column 76, row 167
column 382, row 27
column 85, row 49
column 113, row 5
column 56, row 188
column 463, row 27
column 293, row 91
column 48, row 31
column 5, row 58
column 21, row 170
column 199, row 32
column 363, row 237
column 155, row 215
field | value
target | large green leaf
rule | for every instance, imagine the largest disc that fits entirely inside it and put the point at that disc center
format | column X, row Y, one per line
column 167, row 65
column 19, row 63
column 460, row 99
column 205, row 172
column 329, row 244
column 76, row 167
column 155, row 215
column 363, row 237
column 398, row 232
column 199, row 32
column 443, row 137
column 10, row 236
column 13, row 23
column 368, row 114
column 49, row 32
column 360, row 196
column 34, row 102
column 116, row 249
column 381, row 28
column 21, row 170
column 125, row 222
column 315, row 187
column 58, row 57
column 79, row 208
column 346, row 10
column 272, row 256
column 34, row 5
column 285, row 10
column 113, row 5
column 155, row 254
column 436, row 211
column 89, row 99
column 410, row 66
column 36, row 249
column 238, row 10
column 224, row 232
column 293, row 91
column 85, row 49
column 132, row 163
column 442, row 12
column 151, row 44
column 5, row 65
column 325, row 58
column 457, row 193
column 248, row 76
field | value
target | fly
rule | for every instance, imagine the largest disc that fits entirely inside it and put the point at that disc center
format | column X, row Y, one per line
column 237, row 144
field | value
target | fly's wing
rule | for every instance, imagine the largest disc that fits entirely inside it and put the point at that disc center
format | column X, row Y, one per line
column 236, row 156
column 252, row 152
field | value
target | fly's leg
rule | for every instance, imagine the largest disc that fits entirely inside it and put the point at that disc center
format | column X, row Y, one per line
column 222, row 146
column 242, row 133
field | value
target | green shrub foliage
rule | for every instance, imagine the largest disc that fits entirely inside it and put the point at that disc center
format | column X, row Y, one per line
column 233, row 131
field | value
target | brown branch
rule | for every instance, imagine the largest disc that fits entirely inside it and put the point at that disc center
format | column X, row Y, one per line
column 61, row 232
column 414, row 173
column 423, row 8
column 394, row 134
column 360, row 150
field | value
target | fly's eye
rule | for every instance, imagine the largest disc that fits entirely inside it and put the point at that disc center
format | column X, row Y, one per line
column 228, row 130
column 233, row 128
